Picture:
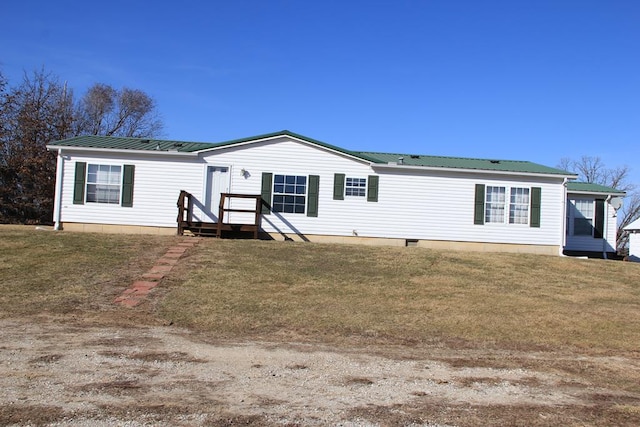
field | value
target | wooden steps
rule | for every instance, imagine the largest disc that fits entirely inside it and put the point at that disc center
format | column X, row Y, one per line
column 215, row 229
column 210, row 229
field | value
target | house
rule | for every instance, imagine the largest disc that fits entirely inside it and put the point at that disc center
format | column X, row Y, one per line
column 319, row 192
column 634, row 240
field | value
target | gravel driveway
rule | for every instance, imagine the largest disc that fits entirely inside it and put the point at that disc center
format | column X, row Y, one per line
column 59, row 374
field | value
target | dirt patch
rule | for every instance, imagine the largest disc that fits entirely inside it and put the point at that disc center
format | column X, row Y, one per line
column 52, row 373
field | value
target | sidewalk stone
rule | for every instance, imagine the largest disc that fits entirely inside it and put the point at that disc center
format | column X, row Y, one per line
column 135, row 293
column 153, row 276
column 173, row 255
column 161, row 269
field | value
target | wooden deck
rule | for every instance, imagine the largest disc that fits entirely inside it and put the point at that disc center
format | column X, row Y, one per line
column 216, row 229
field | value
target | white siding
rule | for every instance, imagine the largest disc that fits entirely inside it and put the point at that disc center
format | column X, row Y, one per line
column 634, row 246
column 157, row 184
column 428, row 205
column 412, row 205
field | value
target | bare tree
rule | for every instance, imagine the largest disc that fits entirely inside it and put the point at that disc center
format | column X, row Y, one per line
column 41, row 110
column 593, row 170
column 32, row 114
column 128, row 112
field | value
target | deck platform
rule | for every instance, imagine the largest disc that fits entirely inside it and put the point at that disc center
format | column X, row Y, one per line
column 216, row 229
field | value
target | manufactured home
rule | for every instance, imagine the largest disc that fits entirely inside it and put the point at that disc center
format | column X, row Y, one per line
column 287, row 186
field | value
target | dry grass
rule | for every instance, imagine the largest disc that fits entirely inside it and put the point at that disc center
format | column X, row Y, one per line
column 474, row 309
column 407, row 295
column 331, row 293
column 60, row 273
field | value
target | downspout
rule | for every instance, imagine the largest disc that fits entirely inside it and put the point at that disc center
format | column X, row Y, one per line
column 563, row 237
column 57, row 201
column 605, row 237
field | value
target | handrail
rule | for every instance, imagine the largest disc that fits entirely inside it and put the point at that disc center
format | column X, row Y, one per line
column 257, row 218
column 184, row 210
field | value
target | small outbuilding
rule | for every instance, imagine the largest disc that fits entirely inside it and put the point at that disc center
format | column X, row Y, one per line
column 634, row 240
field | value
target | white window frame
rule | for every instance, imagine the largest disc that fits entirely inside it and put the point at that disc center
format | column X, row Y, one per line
column 507, row 205
column 494, row 208
column 290, row 197
column 586, row 212
column 519, row 205
column 102, row 185
column 355, row 187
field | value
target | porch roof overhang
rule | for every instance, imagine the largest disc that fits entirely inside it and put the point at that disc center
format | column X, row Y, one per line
column 588, row 188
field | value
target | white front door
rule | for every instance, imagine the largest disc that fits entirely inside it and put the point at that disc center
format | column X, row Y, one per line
column 217, row 183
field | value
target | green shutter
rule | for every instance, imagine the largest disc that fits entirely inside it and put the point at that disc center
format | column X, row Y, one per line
column 127, row 185
column 312, row 199
column 598, row 232
column 372, row 188
column 78, row 183
column 478, row 213
column 536, row 199
column 338, row 186
column 267, row 180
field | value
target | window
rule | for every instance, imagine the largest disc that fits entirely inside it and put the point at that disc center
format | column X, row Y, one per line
column 496, row 202
column 356, row 187
column 103, row 184
column 494, row 208
column 519, row 206
column 583, row 214
column 289, row 193
column 491, row 204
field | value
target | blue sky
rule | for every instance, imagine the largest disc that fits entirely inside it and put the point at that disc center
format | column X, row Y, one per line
column 510, row 79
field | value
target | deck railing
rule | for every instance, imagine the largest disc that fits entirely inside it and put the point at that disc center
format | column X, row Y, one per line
column 185, row 205
column 186, row 222
column 255, row 227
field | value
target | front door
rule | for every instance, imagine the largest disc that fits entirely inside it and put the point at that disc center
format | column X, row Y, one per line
column 217, row 183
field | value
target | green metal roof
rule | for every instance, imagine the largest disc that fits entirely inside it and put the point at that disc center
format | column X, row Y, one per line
column 467, row 163
column 119, row 143
column 587, row 187
column 150, row 144
column 298, row 136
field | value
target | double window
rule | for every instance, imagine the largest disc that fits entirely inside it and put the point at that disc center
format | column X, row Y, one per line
column 507, row 205
column 499, row 199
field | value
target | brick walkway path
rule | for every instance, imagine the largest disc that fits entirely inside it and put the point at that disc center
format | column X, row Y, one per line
column 136, row 293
